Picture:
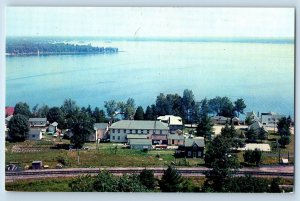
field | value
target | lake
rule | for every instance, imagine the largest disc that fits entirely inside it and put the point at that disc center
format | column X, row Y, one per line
column 260, row 73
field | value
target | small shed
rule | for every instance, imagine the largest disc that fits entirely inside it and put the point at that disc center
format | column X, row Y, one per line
column 36, row 165
column 52, row 127
column 141, row 144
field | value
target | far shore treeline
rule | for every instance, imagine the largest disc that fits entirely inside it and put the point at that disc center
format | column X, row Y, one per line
column 29, row 46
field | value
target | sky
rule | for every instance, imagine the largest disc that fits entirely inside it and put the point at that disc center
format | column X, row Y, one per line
column 150, row 22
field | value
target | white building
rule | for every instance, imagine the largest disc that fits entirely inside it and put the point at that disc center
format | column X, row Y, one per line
column 34, row 134
column 174, row 122
column 270, row 119
column 120, row 129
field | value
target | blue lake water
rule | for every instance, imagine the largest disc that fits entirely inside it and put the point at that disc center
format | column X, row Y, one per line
column 260, row 73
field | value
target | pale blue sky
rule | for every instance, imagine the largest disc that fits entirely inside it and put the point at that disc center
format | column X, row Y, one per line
column 150, row 22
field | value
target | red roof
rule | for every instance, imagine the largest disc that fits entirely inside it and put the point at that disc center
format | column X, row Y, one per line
column 9, row 111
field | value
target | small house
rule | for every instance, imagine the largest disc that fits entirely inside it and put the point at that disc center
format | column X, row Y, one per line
column 38, row 122
column 270, row 119
column 235, row 121
column 256, row 126
column 37, row 165
column 145, row 144
column 192, row 148
column 34, row 134
column 220, row 120
column 52, row 127
column 175, row 139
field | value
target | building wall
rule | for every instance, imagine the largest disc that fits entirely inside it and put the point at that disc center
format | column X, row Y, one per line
column 174, row 128
column 140, row 146
column 175, row 142
column 34, row 134
column 119, row 135
column 270, row 120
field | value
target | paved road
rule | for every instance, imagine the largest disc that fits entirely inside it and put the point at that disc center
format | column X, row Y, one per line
column 267, row 171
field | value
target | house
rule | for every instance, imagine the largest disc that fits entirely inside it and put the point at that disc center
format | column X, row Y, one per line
column 256, row 126
column 133, row 137
column 220, row 120
column 175, row 139
column 174, row 122
column 235, row 121
column 119, row 130
column 140, row 144
column 192, row 148
column 270, row 119
column 252, row 116
column 52, row 127
column 101, row 131
column 9, row 111
column 38, row 122
column 34, row 134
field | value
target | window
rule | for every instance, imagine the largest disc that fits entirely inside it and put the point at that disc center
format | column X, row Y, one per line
column 199, row 153
column 113, row 137
column 136, row 131
column 124, row 130
column 118, row 130
column 130, row 131
column 118, row 137
column 33, row 136
column 173, row 142
column 142, row 131
column 160, row 131
column 189, row 153
column 113, row 130
column 148, row 131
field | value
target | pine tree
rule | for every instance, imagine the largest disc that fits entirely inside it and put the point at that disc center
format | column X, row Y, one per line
column 171, row 180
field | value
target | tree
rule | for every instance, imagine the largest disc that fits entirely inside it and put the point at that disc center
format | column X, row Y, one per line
column 42, row 111
column 129, row 108
column 251, row 135
column 249, row 120
column 223, row 163
column 23, row 109
column 204, row 107
column 105, row 182
column 83, row 183
column 130, row 183
column 239, row 106
column 262, row 135
column 205, row 127
column 253, row 157
column 18, row 127
column 149, row 114
column 161, row 105
column 111, row 108
column 139, row 113
column 275, row 188
column 247, row 184
column 147, row 179
column 55, row 115
column 70, row 112
column 82, row 127
column 283, row 126
column 98, row 115
column 188, row 100
column 35, row 110
column 171, row 180
column 284, row 140
column 227, row 108
column 215, row 105
column 229, row 132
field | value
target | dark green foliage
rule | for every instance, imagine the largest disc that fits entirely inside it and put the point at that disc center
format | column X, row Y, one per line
column 247, row 184
column 139, row 113
column 253, row 157
column 23, row 109
column 83, row 183
column 188, row 104
column 251, row 135
column 283, row 126
column 18, row 127
column 98, row 115
column 111, row 107
column 224, row 107
column 106, row 182
column 147, row 179
column 249, row 120
column 275, row 188
column 262, row 135
column 284, row 140
column 229, row 132
column 149, row 114
column 70, row 112
column 42, row 111
column 171, row 180
column 239, row 106
column 82, row 127
column 205, row 127
column 55, row 115
column 189, row 186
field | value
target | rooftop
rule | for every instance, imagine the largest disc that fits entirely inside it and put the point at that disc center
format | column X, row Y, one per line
column 139, row 124
column 37, row 119
column 199, row 141
column 171, row 119
column 100, row 126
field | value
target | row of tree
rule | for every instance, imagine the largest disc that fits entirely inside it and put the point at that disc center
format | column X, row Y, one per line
column 171, row 181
